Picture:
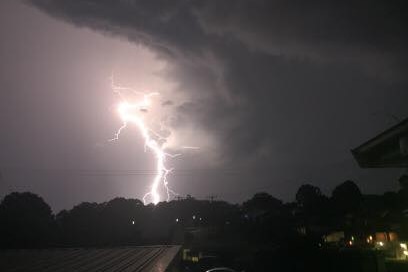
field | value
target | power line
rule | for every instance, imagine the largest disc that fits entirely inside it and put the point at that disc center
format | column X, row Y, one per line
column 135, row 172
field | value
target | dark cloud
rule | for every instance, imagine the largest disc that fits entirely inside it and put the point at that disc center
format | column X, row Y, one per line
column 319, row 29
column 290, row 84
column 167, row 103
column 376, row 25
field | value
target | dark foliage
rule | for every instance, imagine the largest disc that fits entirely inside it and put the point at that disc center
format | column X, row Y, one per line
column 308, row 197
column 262, row 221
column 346, row 197
column 26, row 221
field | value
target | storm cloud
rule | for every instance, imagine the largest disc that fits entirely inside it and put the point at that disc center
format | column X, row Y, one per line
column 285, row 88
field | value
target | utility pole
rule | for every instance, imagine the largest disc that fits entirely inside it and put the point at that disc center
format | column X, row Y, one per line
column 1, row 182
column 212, row 197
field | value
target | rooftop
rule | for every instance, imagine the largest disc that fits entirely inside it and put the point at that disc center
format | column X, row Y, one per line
column 152, row 258
column 388, row 149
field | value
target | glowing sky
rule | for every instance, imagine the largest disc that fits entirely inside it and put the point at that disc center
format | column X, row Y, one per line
column 272, row 102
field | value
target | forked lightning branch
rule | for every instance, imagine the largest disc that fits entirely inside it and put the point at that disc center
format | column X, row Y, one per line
column 133, row 113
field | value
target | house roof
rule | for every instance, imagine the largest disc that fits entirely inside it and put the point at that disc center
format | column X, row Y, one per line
column 153, row 258
column 385, row 149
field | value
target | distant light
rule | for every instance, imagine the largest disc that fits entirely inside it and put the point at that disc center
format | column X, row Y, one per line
column 133, row 222
column 194, row 217
column 404, row 246
column 177, row 219
column 201, row 219
column 370, row 237
column 352, row 238
column 350, row 243
column 380, row 243
column 405, row 252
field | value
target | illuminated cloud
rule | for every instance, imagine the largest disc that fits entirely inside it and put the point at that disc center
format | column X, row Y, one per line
column 266, row 84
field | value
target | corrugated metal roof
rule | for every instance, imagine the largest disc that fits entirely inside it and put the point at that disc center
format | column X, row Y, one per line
column 152, row 258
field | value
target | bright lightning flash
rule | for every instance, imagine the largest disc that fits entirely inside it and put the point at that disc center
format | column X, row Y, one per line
column 132, row 113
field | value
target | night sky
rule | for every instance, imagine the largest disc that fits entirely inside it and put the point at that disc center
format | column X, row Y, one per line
column 275, row 94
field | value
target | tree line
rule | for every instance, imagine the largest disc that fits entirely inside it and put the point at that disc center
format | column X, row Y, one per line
column 27, row 220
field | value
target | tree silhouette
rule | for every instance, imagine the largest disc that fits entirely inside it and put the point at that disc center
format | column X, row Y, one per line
column 346, row 197
column 262, row 202
column 308, row 197
column 81, row 225
column 403, row 181
column 110, row 223
column 403, row 192
column 26, row 221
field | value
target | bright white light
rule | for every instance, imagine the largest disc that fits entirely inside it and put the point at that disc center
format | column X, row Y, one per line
column 132, row 113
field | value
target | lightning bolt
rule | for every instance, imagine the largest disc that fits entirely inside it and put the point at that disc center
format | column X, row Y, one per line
column 132, row 113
